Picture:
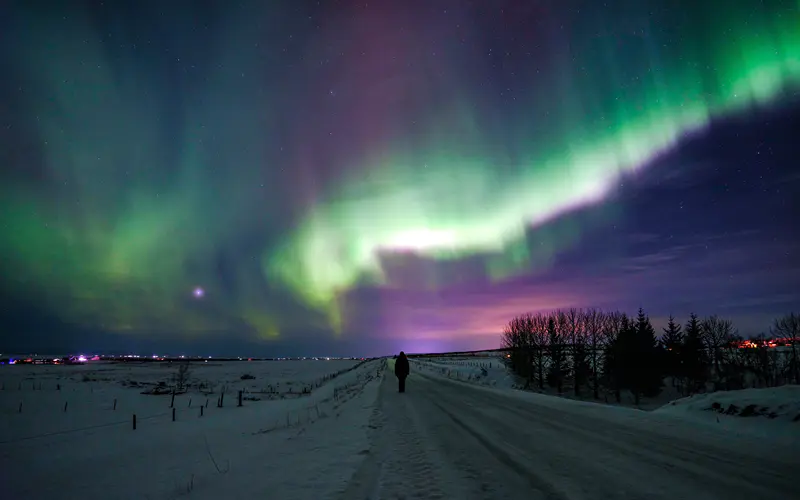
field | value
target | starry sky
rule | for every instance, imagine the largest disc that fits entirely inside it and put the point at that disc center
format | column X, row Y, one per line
column 360, row 177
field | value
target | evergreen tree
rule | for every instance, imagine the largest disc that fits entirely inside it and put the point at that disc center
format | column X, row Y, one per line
column 581, row 369
column 650, row 358
column 673, row 334
column 672, row 341
column 693, row 355
column 610, row 368
column 625, row 359
column 639, row 357
column 609, row 374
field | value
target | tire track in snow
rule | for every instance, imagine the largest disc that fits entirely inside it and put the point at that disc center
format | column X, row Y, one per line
column 409, row 467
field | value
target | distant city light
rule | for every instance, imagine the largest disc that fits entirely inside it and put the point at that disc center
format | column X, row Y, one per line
column 198, row 292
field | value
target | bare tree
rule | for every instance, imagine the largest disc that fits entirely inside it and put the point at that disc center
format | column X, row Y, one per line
column 576, row 325
column 788, row 327
column 539, row 339
column 181, row 376
column 557, row 332
column 594, row 319
column 717, row 334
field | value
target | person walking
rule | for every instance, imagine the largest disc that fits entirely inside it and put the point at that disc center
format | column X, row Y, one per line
column 401, row 370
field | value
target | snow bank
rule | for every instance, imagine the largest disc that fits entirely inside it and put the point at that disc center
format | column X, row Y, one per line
column 489, row 371
column 779, row 404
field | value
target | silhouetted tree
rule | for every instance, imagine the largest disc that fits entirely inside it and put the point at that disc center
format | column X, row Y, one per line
column 647, row 376
column 672, row 340
column 788, row 327
column 576, row 324
column 539, row 338
column 511, row 340
column 638, row 359
column 626, row 353
column 717, row 333
column 558, row 356
column 594, row 333
column 181, row 376
column 612, row 326
column 693, row 355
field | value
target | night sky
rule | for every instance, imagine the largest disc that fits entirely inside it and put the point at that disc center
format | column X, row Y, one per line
column 360, row 177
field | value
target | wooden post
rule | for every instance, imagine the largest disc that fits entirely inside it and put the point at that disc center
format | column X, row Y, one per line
column 134, row 421
column 20, row 406
column 65, row 406
column 173, row 414
column 115, row 403
column 201, row 410
column 172, row 403
column 206, row 402
column 240, row 398
column 190, row 402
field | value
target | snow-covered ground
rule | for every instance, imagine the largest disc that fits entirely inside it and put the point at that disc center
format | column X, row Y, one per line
column 485, row 370
column 354, row 437
column 295, row 446
column 490, row 369
column 750, row 407
column 63, row 398
column 778, row 404
column 445, row 438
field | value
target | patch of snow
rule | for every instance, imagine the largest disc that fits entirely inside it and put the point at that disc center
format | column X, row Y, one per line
column 773, row 404
column 488, row 371
column 299, row 447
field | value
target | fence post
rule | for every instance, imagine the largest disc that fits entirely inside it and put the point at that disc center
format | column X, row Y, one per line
column 134, row 421
column 173, row 414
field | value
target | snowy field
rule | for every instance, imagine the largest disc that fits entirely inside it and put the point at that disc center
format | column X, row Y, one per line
column 48, row 398
column 461, row 431
column 60, row 430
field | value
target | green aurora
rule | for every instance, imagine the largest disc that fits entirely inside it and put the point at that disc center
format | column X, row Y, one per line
column 111, row 235
column 445, row 199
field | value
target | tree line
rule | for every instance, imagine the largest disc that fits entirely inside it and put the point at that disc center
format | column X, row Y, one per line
column 610, row 352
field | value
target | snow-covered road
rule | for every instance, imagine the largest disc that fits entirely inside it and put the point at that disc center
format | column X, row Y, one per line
column 446, row 439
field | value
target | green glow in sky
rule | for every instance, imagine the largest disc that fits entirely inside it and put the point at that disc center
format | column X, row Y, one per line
column 448, row 199
column 130, row 176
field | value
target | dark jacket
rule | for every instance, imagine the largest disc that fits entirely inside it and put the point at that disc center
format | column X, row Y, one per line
column 401, row 367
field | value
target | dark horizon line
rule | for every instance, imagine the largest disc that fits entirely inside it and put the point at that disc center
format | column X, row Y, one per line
column 168, row 357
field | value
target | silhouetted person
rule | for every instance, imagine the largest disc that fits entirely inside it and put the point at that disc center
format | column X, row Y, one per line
column 401, row 370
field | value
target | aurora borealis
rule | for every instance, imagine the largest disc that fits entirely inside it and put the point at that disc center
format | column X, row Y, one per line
column 384, row 174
